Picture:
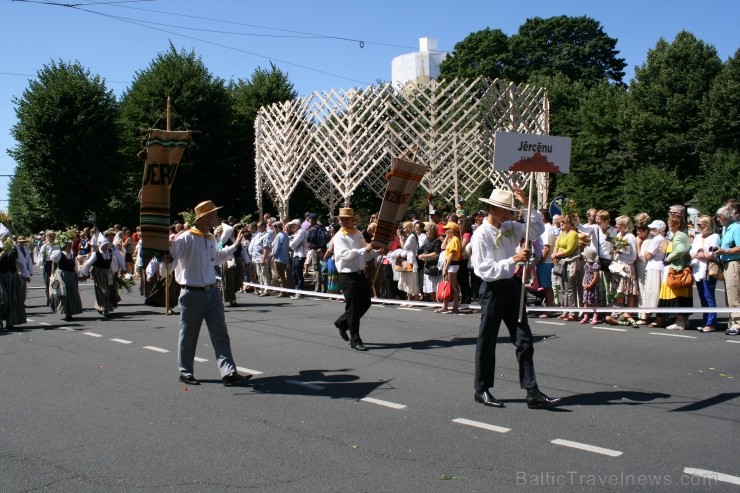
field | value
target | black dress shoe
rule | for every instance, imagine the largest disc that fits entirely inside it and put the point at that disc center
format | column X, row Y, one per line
column 342, row 331
column 537, row 400
column 359, row 347
column 188, row 379
column 485, row 398
column 235, row 379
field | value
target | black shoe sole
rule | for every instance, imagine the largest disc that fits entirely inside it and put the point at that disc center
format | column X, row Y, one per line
column 236, row 382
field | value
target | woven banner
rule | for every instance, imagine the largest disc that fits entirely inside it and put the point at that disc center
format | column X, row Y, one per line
column 164, row 151
column 403, row 180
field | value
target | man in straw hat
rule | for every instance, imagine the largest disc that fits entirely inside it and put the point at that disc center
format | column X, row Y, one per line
column 197, row 255
column 494, row 258
column 350, row 254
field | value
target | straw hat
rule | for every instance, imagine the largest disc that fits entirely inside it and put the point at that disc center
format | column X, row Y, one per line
column 584, row 239
column 346, row 212
column 21, row 239
column 501, row 198
column 204, row 208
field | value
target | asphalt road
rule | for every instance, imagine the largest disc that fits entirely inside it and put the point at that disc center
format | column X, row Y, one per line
column 95, row 405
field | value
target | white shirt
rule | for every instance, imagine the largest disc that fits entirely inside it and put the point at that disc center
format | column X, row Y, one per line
column 298, row 243
column 350, row 254
column 197, row 255
column 629, row 255
column 655, row 248
column 112, row 252
column 699, row 267
column 493, row 248
column 24, row 261
column 599, row 239
column 548, row 238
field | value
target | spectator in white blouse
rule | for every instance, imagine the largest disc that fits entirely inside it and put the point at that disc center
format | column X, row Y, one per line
column 705, row 242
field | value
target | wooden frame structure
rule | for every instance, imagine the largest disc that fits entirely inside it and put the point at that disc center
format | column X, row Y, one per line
column 336, row 141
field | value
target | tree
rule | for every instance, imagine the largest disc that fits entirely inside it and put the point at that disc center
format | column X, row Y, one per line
column 721, row 109
column 663, row 119
column 650, row 189
column 718, row 180
column 483, row 53
column 67, row 151
column 575, row 47
column 202, row 104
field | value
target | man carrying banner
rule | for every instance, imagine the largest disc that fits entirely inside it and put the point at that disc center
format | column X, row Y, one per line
column 350, row 253
column 197, row 255
column 494, row 259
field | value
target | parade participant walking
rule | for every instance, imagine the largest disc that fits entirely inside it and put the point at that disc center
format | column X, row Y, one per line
column 24, row 263
column 197, row 254
column 12, row 310
column 44, row 260
column 350, row 253
column 67, row 300
column 100, row 266
column 494, row 259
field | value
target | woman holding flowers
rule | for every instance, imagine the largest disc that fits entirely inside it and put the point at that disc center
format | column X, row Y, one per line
column 65, row 266
column 624, row 275
column 100, row 266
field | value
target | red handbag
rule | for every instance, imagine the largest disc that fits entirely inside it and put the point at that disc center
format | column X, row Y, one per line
column 444, row 291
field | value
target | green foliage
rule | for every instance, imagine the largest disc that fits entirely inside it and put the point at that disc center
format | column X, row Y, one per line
column 721, row 109
column 574, row 47
column 67, row 147
column 719, row 180
column 651, row 189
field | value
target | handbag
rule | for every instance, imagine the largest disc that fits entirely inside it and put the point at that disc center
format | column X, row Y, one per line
column 402, row 266
column 604, row 264
column 56, row 285
column 431, row 270
column 715, row 270
column 559, row 269
column 679, row 279
column 617, row 267
column 444, row 291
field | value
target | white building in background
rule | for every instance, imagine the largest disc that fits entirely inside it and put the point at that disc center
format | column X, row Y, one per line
column 420, row 66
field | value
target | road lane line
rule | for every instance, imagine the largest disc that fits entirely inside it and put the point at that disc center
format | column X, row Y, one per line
column 92, row 334
column 478, row 424
column 611, row 328
column 122, row 341
column 703, row 473
column 29, row 319
column 157, row 349
column 671, row 335
column 736, row 342
column 311, row 386
column 379, row 402
column 43, row 323
column 201, row 360
column 548, row 323
column 241, row 369
column 410, row 309
column 586, row 447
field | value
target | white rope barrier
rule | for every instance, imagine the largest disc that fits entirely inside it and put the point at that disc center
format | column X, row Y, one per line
column 529, row 308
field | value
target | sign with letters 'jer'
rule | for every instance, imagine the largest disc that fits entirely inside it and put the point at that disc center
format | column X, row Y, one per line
column 531, row 153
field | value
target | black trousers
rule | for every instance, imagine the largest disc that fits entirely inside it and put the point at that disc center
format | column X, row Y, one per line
column 499, row 302
column 357, row 302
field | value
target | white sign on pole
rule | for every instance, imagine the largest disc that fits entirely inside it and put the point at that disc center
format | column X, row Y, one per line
column 531, row 153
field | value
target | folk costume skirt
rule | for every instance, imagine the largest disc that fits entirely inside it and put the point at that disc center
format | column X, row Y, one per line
column 13, row 311
column 69, row 304
column 106, row 295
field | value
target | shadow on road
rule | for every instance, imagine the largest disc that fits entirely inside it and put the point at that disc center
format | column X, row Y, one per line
column 611, row 398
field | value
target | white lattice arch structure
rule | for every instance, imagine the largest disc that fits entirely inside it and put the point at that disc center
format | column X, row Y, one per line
column 336, row 141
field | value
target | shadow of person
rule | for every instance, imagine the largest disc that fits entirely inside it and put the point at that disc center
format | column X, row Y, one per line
column 611, row 398
column 334, row 384
column 442, row 343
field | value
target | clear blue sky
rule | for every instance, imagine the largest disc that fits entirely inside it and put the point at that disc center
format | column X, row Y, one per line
column 116, row 38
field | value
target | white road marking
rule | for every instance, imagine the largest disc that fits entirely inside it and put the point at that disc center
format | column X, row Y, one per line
column 586, row 447
column 157, row 349
column 379, row 402
column 92, row 334
column 478, row 424
column 241, row 369
column 200, row 360
column 122, row 341
column 311, row 386
column 43, row 323
column 611, row 328
column 549, row 323
column 736, row 342
column 30, row 319
column 712, row 475
column 410, row 309
column 671, row 335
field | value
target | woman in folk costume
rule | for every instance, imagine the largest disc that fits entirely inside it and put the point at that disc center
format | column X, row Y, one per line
column 65, row 266
column 43, row 261
column 100, row 266
column 12, row 311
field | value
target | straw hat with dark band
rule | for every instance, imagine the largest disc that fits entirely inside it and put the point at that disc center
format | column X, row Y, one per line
column 205, row 208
